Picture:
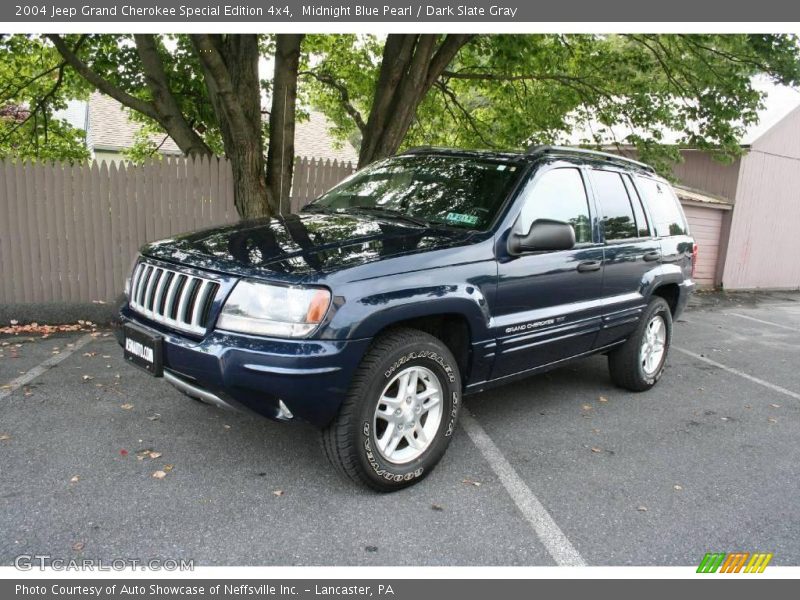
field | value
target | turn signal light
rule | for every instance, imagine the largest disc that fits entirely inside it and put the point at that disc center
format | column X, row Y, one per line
column 318, row 307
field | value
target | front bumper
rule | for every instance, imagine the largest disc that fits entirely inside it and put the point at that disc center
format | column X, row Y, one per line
column 310, row 377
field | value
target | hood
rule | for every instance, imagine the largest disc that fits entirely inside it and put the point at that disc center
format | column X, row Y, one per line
column 301, row 245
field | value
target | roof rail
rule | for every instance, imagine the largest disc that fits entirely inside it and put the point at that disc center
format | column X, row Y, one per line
column 534, row 150
column 417, row 149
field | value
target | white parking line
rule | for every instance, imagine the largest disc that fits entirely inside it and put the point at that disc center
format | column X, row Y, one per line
column 766, row 384
column 51, row 362
column 551, row 536
column 763, row 321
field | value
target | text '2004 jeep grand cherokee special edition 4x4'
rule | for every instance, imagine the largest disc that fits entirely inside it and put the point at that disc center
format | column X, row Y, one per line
column 417, row 279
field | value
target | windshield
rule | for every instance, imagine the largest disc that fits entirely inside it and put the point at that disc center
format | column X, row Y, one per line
column 447, row 190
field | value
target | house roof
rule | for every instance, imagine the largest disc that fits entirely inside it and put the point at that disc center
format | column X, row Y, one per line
column 313, row 139
column 110, row 128
column 693, row 196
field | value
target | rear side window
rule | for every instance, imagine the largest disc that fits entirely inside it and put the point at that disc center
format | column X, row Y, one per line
column 559, row 195
column 615, row 205
column 638, row 210
column 664, row 207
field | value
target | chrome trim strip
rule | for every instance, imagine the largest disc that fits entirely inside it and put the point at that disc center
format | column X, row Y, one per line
column 561, row 310
column 289, row 371
column 195, row 391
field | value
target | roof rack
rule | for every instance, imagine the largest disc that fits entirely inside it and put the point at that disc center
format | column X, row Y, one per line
column 535, row 150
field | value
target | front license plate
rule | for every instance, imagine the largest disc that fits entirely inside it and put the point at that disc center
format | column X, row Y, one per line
column 143, row 349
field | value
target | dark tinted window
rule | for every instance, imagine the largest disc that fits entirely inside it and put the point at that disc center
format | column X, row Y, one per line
column 615, row 206
column 638, row 211
column 452, row 190
column 663, row 206
column 559, row 195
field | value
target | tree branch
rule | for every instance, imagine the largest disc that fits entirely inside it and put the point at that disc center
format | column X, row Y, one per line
column 473, row 122
column 170, row 115
column 108, row 88
column 344, row 95
column 215, row 68
column 445, row 55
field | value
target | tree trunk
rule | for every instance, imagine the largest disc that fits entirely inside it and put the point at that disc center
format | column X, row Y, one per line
column 411, row 65
column 249, row 186
column 280, row 158
column 230, row 67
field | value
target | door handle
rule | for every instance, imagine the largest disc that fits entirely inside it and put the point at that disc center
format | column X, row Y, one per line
column 589, row 265
column 651, row 256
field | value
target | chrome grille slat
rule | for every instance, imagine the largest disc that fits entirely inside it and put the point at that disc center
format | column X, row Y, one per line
column 199, row 303
column 160, row 292
column 173, row 290
column 136, row 279
column 184, row 301
column 147, row 295
column 153, row 287
column 142, row 284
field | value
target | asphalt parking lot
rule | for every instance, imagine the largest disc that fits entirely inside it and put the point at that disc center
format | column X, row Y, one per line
column 707, row 461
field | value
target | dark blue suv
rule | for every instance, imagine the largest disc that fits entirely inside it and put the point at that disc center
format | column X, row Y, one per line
column 421, row 278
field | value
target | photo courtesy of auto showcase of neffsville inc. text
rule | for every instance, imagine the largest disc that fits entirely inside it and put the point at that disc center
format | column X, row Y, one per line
column 334, row 309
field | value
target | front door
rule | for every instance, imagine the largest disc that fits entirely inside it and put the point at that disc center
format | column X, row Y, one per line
column 546, row 307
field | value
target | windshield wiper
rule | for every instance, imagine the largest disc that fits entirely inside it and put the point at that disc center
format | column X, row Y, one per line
column 391, row 213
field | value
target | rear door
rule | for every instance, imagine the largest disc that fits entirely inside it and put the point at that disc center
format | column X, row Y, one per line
column 669, row 224
column 546, row 308
column 631, row 252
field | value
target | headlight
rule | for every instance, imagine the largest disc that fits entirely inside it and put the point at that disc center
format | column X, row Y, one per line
column 274, row 310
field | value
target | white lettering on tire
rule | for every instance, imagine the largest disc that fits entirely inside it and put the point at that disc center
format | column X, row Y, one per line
column 379, row 470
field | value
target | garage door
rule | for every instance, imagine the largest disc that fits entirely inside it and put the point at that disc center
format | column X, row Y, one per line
column 705, row 225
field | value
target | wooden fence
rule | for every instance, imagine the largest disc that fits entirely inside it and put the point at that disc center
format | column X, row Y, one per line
column 68, row 233
column 312, row 177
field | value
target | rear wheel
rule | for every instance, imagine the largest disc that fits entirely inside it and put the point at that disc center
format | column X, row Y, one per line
column 638, row 364
column 398, row 418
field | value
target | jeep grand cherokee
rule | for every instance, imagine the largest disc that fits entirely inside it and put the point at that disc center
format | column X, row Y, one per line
column 423, row 277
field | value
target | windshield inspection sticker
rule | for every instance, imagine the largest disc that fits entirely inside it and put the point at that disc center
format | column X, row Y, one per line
column 462, row 218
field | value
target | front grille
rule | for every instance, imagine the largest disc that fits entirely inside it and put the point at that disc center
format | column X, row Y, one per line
column 176, row 299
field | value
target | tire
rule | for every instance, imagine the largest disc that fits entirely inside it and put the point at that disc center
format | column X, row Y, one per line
column 629, row 365
column 359, row 441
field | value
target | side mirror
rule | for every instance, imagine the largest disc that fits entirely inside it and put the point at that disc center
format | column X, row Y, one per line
column 544, row 235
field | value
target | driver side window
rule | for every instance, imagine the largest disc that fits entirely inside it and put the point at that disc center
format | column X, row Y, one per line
column 560, row 195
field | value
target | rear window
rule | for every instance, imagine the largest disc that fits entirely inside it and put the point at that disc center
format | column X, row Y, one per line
column 665, row 210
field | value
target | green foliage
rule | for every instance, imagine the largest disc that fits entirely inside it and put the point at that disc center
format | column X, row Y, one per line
column 509, row 91
column 32, row 87
column 501, row 91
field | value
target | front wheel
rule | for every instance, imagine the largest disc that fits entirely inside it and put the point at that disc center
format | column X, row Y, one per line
column 400, row 414
column 638, row 364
